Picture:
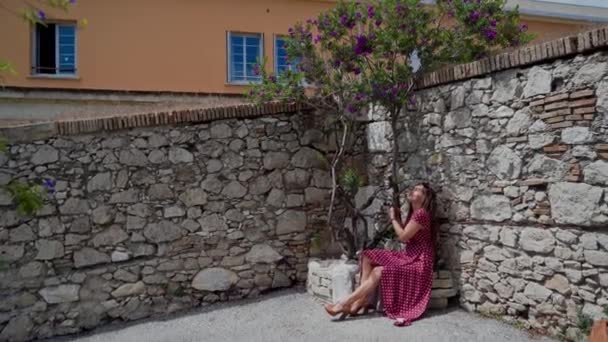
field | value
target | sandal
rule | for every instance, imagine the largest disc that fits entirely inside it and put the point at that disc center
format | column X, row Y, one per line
column 330, row 309
column 361, row 304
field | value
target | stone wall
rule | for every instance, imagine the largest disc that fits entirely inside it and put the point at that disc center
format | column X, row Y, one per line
column 150, row 220
column 520, row 160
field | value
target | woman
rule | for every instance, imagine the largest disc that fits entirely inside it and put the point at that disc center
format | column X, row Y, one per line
column 405, row 277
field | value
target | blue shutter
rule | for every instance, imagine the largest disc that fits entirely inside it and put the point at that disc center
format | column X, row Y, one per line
column 66, row 62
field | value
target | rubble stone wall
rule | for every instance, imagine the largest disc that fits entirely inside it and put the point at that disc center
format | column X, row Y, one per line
column 520, row 161
column 152, row 220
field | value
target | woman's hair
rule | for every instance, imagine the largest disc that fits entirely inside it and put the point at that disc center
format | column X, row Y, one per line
column 430, row 205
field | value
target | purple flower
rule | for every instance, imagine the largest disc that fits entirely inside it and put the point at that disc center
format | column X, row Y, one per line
column 346, row 22
column 72, row 2
column 399, row 8
column 337, row 63
column 450, row 13
column 363, row 46
column 358, row 15
column 378, row 22
column 493, row 23
column 357, row 71
column 351, row 108
column 49, row 184
column 371, row 12
column 523, row 27
column 343, row 19
column 490, row 34
column 272, row 78
column 41, row 15
column 317, row 39
column 474, row 16
column 256, row 70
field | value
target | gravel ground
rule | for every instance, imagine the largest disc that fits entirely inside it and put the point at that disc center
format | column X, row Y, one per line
column 294, row 316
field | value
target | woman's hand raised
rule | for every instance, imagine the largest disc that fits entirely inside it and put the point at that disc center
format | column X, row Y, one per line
column 392, row 213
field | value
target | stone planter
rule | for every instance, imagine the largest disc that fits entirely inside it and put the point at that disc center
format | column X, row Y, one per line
column 331, row 280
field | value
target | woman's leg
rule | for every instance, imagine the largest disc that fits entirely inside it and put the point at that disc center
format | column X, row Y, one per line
column 367, row 287
column 366, row 270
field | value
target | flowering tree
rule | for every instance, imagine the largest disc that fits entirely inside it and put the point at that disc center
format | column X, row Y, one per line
column 361, row 54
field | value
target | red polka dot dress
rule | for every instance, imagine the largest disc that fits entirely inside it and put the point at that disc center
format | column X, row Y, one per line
column 407, row 277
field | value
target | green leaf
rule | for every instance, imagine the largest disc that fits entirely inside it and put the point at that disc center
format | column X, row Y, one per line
column 351, row 181
column 3, row 144
column 28, row 197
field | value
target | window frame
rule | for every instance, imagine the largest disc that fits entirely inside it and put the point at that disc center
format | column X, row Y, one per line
column 35, row 52
column 229, row 34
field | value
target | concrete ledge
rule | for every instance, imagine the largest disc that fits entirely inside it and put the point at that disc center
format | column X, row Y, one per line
column 30, row 132
column 45, row 130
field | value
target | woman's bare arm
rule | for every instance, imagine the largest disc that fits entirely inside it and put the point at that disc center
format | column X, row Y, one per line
column 404, row 234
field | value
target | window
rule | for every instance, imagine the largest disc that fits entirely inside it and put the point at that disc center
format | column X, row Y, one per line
column 54, row 49
column 244, row 51
column 280, row 57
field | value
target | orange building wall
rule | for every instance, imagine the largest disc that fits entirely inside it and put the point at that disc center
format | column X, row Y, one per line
column 159, row 45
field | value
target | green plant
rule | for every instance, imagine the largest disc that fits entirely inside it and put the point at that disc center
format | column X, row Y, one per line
column 28, row 197
column 315, row 240
column 584, row 322
column 3, row 145
column 351, row 181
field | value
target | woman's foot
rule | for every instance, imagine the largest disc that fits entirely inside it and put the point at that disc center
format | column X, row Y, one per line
column 338, row 308
column 362, row 303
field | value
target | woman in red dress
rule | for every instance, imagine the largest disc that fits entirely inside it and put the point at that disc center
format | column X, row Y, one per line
column 405, row 277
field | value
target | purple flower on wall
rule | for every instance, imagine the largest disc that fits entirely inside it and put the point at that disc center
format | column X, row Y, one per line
column 49, row 184
column 41, row 15
column 523, row 27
